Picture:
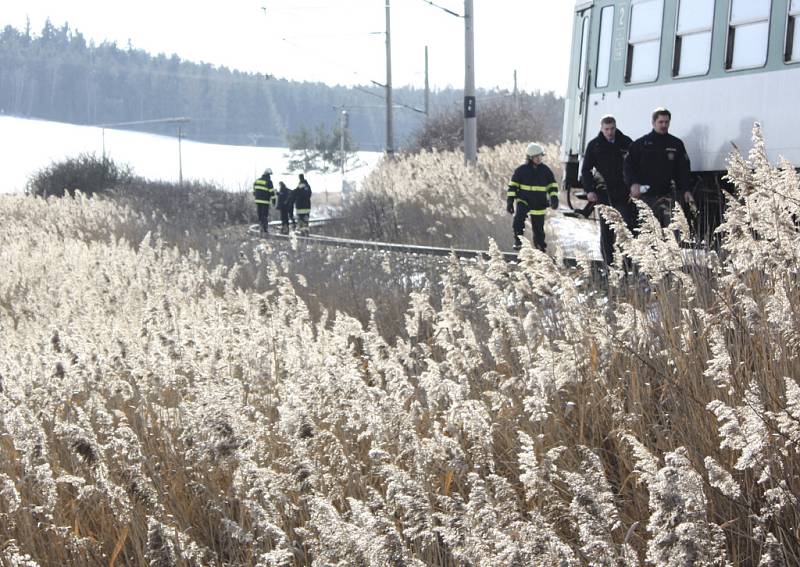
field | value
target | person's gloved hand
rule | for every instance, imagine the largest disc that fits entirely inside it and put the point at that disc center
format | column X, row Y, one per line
column 510, row 206
column 553, row 202
column 273, row 201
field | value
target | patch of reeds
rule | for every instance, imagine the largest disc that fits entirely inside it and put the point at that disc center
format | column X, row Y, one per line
column 158, row 408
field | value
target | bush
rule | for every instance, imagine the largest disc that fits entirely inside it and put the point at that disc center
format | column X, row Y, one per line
column 533, row 117
column 86, row 173
column 193, row 204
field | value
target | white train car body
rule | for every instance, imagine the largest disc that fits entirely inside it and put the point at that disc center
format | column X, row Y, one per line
column 718, row 65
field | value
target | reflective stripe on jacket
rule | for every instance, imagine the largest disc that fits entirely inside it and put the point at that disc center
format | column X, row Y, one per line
column 533, row 184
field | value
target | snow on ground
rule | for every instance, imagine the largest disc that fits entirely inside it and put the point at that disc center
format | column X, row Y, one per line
column 577, row 237
column 27, row 146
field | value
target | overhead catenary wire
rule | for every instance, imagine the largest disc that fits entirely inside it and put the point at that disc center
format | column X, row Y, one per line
column 451, row 12
column 358, row 74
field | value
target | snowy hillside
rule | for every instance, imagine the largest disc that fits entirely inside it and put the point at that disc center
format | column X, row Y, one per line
column 29, row 145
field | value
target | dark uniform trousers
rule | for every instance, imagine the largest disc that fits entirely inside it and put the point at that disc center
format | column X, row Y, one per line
column 523, row 211
column 263, row 216
column 531, row 189
column 607, row 237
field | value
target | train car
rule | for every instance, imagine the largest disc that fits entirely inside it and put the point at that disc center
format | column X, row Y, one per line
column 718, row 65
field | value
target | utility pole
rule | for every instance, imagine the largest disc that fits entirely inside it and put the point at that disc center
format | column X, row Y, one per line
column 180, row 157
column 389, row 119
column 516, row 92
column 470, row 113
column 178, row 120
column 427, row 86
column 342, row 134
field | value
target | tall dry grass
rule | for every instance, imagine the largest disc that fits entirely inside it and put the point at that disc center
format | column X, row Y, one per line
column 161, row 408
column 433, row 198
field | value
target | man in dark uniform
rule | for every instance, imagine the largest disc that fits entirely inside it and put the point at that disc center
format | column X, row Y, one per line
column 657, row 168
column 264, row 193
column 285, row 206
column 302, row 202
column 601, row 175
column 530, row 189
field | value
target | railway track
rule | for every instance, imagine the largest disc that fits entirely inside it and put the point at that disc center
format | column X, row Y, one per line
column 511, row 257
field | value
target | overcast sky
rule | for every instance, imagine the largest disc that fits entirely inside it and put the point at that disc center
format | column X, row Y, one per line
column 332, row 41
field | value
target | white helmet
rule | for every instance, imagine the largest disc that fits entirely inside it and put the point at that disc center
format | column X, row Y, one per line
column 268, row 171
column 534, row 150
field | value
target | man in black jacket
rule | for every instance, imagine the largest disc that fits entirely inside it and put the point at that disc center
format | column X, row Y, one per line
column 601, row 175
column 302, row 203
column 285, row 206
column 657, row 168
column 533, row 186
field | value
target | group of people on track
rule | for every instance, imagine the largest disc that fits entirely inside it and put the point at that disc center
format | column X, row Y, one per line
column 616, row 171
column 287, row 201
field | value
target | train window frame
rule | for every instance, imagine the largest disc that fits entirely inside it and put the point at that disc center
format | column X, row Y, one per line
column 654, row 38
column 694, row 31
column 604, row 51
column 731, row 39
column 583, row 62
column 792, row 30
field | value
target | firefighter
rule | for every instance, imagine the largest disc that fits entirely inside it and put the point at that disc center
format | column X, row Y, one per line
column 264, row 193
column 285, row 206
column 657, row 169
column 531, row 188
column 602, row 179
column 302, row 203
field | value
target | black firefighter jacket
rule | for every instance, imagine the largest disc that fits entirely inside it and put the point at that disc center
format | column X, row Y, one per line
column 606, row 159
column 657, row 160
column 263, row 190
column 302, row 198
column 533, row 184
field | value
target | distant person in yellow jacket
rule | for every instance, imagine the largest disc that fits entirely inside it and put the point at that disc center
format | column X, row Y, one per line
column 264, row 193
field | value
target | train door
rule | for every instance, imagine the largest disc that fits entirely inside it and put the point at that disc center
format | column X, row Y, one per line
column 582, row 83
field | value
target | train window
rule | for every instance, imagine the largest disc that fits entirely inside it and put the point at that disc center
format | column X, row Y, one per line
column 584, row 53
column 748, row 34
column 792, row 53
column 604, row 48
column 644, row 41
column 693, row 38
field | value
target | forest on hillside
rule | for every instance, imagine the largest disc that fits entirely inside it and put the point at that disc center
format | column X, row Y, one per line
column 59, row 75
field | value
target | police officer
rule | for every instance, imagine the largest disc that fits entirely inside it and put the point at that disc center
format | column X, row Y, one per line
column 285, row 206
column 264, row 193
column 657, row 168
column 532, row 186
column 601, row 175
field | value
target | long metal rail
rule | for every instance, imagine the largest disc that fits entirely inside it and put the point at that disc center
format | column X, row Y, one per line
column 255, row 230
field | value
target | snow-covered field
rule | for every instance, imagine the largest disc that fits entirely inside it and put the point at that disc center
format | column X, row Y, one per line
column 29, row 145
